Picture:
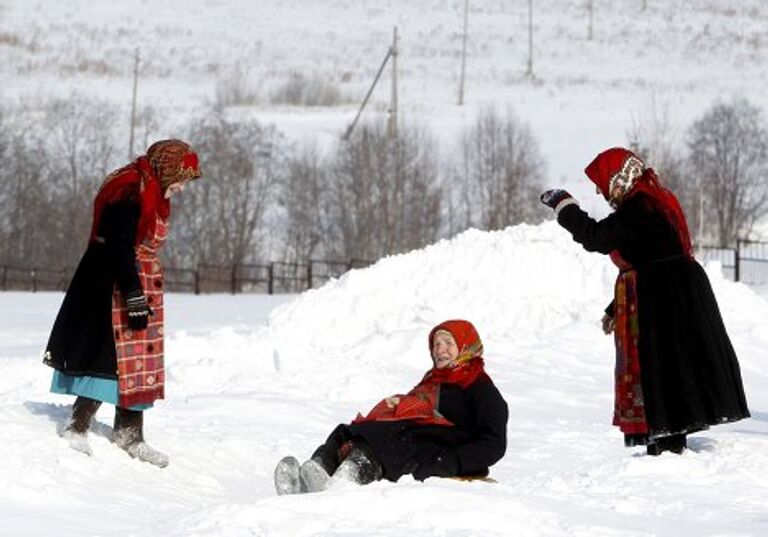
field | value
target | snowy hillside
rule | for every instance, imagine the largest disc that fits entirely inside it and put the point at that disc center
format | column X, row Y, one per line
column 663, row 64
column 253, row 378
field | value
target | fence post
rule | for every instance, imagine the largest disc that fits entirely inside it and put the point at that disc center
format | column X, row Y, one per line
column 197, row 280
column 3, row 279
column 309, row 275
column 234, row 279
column 33, row 272
column 737, row 268
column 271, row 274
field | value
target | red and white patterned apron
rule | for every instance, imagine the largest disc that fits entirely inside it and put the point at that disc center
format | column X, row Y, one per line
column 140, row 371
column 629, row 406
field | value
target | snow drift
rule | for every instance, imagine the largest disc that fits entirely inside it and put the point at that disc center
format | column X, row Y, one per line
column 250, row 382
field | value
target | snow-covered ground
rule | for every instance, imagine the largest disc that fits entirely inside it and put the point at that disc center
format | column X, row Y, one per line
column 253, row 378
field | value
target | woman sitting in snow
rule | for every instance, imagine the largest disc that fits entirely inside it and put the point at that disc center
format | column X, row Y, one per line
column 676, row 372
column 453, row 423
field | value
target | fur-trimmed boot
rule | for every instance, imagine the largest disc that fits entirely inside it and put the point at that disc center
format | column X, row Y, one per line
column 75, row 429
column 128, row 434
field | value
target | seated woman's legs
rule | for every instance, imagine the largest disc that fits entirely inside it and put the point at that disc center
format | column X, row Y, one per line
column 338, row 458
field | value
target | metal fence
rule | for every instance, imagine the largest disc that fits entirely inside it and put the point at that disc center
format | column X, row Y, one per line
column 270, row 278
column 748, row 263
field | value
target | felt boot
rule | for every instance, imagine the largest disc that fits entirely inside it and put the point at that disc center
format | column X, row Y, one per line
column 129, row 436
column 675, row 443
column 360, row 466
column 75, row 429
column 288, row 476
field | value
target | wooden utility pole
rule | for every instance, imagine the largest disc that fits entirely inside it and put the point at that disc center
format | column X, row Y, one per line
column 529, row 71
column 392, row 120
column 463, row 54
column 133, row 104
column 392, row 124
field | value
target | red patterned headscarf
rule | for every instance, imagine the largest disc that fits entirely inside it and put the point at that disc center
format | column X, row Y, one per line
column 173, row 161
column 145, row 181
column 620, row 174
column 422, row 402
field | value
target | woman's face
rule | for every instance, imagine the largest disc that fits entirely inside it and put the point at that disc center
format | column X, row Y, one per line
column 175, row 188
column 444, row 349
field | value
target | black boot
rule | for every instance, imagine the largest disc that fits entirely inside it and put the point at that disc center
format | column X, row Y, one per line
column 675, row 443
column 83, row 411
column 75, row 429
column 128, row 434
column 361, row 465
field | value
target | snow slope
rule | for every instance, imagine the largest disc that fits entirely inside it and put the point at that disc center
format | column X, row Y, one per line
column 253, row 378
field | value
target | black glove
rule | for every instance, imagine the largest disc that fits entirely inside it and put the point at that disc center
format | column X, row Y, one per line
column 138, row 310
column 553, row 198
column 609, row 324
column 443, row 463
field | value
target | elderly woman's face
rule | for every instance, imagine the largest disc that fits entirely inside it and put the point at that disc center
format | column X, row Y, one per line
column 444, row 349
column 175, row 188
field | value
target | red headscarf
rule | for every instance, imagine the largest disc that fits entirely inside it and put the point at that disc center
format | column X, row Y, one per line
column 421, row 403
column 145, row 180
column 620, row 174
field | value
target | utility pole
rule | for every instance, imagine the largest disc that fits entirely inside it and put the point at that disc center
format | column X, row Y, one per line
column 392, row 124
column 463, row 54
column 392, row 120
column 133, row 104
column 701, row 218
column 529, row 71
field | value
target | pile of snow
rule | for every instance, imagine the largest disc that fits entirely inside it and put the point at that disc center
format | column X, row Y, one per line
column 254, row 378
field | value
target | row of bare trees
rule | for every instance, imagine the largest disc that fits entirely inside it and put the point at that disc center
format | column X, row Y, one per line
column 265, row 199
column 720, row 174
column 262, row 198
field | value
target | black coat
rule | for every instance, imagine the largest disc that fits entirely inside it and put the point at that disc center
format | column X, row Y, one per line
column 81, row 342
column 689, row 371
column 478, row 437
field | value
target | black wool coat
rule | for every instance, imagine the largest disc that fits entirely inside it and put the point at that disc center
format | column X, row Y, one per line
column 82, row 342
column 689, row 372
column 478, row 438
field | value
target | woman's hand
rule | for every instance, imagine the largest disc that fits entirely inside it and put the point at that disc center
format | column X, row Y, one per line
column 392, row 402
column 609, row 324
column 138, row 310
column 443, row 463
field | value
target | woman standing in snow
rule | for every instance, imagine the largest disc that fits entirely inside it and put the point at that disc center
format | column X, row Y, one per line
column 453, row 423
column 107, row 341
column 676, row 371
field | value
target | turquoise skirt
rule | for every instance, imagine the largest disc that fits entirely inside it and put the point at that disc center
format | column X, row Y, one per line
column 91, row 387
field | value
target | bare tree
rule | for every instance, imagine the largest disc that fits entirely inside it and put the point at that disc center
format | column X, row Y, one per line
column 304, row 202
column 220, row 220
column 729, row 159
column 25, row 221
column 81, row 150
column 499, row 173
column 55, row 156
column 655, row 139
column 384, row 193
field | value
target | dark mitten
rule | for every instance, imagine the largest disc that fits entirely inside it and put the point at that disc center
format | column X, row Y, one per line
column 553, row 198
column 443, row 463
column 138, row 310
